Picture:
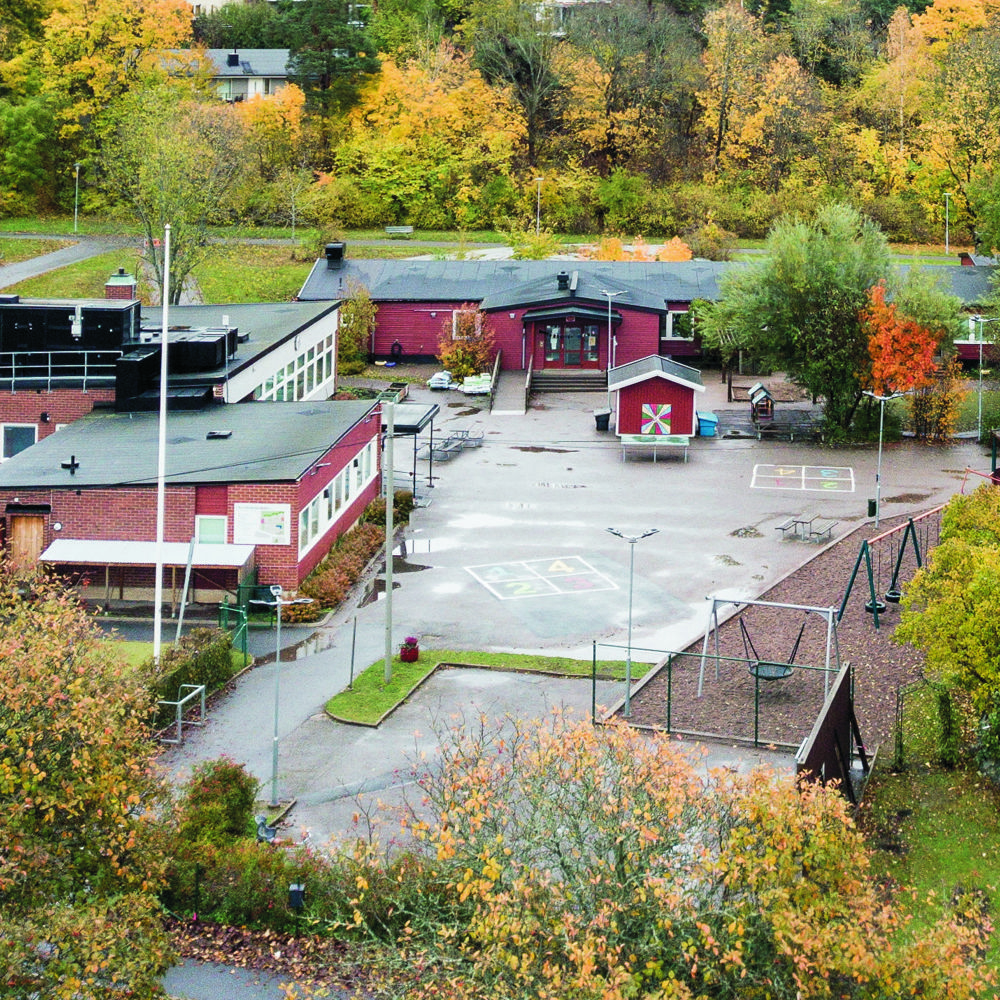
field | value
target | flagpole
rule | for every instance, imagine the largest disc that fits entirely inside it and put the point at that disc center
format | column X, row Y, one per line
column 161, row 463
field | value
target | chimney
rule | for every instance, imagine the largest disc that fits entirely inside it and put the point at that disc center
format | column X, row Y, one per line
column 233, row 59
column 120, row 286
column 563, row 281
column 335, row 256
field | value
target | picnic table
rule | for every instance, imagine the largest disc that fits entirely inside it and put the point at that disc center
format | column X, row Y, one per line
column 809, row 526
column 458, row 441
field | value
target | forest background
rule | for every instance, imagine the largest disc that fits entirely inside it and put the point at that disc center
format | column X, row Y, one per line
column 625, row 117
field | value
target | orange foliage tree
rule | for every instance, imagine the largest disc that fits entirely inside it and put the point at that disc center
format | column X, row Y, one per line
column 902, row 351
column 467, row 345
column 599, row 862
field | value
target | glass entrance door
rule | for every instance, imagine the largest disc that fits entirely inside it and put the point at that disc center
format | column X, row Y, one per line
column 570, row 346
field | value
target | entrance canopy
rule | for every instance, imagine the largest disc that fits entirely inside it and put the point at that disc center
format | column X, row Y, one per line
column 104, row 552
column 575, row 312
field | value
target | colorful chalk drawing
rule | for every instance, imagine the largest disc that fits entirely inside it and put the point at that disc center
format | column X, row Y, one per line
column 814, row 478
column 540, row 578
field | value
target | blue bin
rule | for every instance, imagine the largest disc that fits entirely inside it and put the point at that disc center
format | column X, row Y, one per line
column 708, row 424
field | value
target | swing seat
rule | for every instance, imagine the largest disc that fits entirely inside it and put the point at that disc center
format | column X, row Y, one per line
column 768, row 671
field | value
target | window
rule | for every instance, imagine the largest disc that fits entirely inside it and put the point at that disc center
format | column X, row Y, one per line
column 680, row 325
column 210, row 528
column 459, row 322
column 17, row 437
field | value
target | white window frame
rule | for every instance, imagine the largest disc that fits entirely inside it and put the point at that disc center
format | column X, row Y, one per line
column 3, row 437
column 201, row 521
column 455, row 313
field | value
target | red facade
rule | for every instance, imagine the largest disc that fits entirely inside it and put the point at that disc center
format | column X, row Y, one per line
column 565, row 339
column 658, row 392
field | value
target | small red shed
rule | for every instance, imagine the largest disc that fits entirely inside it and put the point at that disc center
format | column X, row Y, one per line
column 655, row 396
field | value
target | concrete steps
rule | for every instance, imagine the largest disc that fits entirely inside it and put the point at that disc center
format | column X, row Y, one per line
column 562, row 380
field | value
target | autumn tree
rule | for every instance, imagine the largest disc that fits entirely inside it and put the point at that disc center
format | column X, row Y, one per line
column 597, row 861
column 800, row 310
column 79, row 870
column 330, row 52
column 357, row 324
column 902, row 351
column 951, row 609
column 247, row 24
column 467, row 345
column 171, row 158
column 514, row 47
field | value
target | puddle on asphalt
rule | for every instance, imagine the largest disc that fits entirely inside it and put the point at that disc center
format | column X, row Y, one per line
column 314, row 643
column 375, row 591
column 536, row 449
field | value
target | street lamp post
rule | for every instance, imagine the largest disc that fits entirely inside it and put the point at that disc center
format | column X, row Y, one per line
column 611, row 350
column 947, row 195
column 538, row 207
column 76, row 196
column 882, row 400
column 631, row 539
column 277, row 603
column 981, row 320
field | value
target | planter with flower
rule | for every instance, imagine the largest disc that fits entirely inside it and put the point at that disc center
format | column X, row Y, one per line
column 409, row 651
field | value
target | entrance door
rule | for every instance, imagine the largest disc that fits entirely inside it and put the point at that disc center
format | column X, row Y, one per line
column 570, row 346
column 25, row 541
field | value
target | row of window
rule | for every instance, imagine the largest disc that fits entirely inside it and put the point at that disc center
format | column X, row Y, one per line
column 316, row 518
column 301, row 376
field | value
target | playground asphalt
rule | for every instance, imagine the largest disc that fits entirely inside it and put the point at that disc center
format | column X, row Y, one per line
column 509, row 550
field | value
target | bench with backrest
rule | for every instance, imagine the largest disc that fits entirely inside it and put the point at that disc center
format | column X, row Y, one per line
column 399, row 231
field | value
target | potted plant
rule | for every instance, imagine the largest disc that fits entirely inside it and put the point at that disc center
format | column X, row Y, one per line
column 409, row 651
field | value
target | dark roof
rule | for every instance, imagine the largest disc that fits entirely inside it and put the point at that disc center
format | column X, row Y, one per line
column 653, row 367
column 509, row 284
column 505, row 284
column 250, row 62
column 265, row 325
column 270, row 442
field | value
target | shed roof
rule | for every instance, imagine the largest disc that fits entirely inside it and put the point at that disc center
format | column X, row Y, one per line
column 654, row 366
column 107, row 552
column 270, row 442
column 250, row 62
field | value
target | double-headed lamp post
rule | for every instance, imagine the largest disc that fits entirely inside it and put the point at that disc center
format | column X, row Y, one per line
column 277, row 602
column 611, row 350
column 631, row 539
column 882, row 400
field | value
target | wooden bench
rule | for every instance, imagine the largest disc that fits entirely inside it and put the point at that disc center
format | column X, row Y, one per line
column 401, row 232
column 820, row 531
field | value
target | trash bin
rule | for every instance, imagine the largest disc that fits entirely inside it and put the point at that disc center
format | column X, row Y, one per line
column 708, row 424
column 872, row 507
column 603, row 419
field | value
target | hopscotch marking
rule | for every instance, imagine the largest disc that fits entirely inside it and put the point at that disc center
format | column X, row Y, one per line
column 814, row 478
column 540, row 578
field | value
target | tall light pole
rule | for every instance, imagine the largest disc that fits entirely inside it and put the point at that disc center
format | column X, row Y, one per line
column 981, row 320
column 611, row 351
column 277, row 603
column 947, row 195
column 882, row 400
column 538, row 206
column 631, row 539
column 76, row 196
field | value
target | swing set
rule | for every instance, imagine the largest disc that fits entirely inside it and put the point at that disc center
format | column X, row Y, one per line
column 898, row 539
column 762, row 669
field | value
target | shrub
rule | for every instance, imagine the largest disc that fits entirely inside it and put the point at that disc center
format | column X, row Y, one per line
column 402, row 508
column 331, row 581
column 203, row 656
column 217, row 802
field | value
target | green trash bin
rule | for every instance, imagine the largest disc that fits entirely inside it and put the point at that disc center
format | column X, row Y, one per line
column 872, row 507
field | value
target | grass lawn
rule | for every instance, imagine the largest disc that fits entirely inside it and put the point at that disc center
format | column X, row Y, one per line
column 370, row 698
column 934, row 829
column 82, row 280
column 13, row 250
column 251, row 273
